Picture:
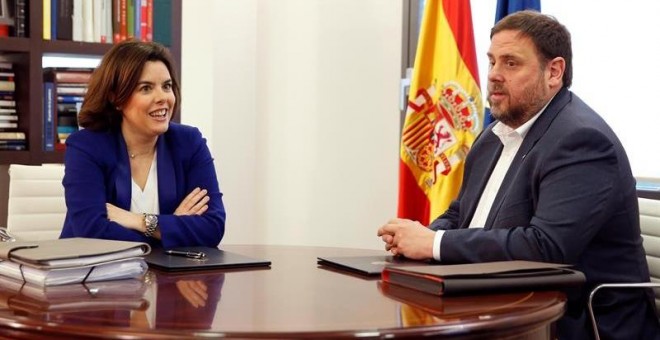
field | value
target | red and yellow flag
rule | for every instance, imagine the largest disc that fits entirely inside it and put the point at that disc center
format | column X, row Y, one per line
column 445, row 111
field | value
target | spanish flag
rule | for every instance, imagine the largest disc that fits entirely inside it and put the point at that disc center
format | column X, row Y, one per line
column 444, row 113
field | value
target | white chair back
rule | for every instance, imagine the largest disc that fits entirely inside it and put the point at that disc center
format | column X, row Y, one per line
column 36, row 207
column 649, row 219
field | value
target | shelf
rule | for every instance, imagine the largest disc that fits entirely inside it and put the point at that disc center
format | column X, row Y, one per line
column 14, row 44
column 27, row 54
column 22, row 157
column 66, row 47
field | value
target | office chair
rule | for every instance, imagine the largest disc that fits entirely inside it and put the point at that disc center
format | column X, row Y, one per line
column 36, row 208
column 649, row 219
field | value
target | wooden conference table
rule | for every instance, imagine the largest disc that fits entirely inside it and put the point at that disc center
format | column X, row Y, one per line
column 295, row 298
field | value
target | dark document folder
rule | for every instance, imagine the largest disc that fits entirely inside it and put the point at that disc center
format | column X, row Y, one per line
column 214, row 258
column 366, row 265
column 484, row 277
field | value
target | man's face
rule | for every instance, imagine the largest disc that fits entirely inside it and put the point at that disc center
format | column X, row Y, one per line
column 517, row 81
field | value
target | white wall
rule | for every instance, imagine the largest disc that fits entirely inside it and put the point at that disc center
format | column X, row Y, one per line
column 615, row 66
column 298, row 99
column 300, row 113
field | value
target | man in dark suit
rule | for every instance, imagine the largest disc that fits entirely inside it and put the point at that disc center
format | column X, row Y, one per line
column 548, row 181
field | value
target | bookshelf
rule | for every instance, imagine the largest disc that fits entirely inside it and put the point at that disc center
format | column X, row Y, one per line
column 26, row 55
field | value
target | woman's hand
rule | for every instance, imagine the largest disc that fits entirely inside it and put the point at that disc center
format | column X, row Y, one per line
column 194, row 204
column 194, row 291
column 125, row 218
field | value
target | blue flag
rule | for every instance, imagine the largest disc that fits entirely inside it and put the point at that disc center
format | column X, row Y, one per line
column 504, row 8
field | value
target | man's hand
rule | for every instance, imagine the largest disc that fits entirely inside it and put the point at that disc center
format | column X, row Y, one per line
column 408, row 238
column 196, row 203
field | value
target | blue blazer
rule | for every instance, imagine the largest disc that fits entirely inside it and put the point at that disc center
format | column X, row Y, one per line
column 568, row 197
column 97, row 172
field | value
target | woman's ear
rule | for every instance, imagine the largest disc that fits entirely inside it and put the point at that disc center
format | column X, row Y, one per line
column 112, row 97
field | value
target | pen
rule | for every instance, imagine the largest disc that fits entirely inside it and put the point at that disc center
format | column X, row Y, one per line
column 189, row 254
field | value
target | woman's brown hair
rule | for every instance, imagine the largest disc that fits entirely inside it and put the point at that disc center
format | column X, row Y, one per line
column 114, row 81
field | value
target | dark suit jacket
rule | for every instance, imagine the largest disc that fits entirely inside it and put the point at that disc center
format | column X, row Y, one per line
column 568, row 197
column 97, row 171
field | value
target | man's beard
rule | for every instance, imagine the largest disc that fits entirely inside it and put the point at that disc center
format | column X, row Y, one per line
column 530, row 103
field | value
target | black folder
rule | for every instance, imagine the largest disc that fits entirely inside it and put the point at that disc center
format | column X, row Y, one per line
column 366, row 265
column 214, row 259
column 485, row 277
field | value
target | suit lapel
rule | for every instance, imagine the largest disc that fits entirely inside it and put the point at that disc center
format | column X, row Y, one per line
column 535, row 133
column 167, row 185
column 122, row 176
column 491, row 149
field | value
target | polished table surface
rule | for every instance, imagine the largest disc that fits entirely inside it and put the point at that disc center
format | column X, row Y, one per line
column 294, row 298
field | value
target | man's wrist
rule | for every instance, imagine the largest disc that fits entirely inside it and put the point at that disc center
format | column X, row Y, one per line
column 437, row 239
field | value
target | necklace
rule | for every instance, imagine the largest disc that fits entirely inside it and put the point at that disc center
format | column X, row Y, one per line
column 133, row 155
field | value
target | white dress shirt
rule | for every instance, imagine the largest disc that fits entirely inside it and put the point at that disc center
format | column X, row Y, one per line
column 511, row 140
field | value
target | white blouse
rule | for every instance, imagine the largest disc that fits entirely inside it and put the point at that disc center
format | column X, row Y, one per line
column 146, row 201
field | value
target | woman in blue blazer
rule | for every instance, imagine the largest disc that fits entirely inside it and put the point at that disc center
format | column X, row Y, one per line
column 132, row 174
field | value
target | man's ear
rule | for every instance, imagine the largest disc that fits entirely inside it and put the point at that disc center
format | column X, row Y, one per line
column 556, row 68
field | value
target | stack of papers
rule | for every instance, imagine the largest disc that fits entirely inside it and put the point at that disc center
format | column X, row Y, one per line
column 107, row 295
column 74, row 260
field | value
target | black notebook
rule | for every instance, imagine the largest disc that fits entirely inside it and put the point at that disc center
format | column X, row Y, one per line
column 214, row 258
column 367, row 265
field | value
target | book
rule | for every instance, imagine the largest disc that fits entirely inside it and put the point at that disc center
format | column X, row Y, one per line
column 15, row 142
column 71, row 89
column 88, row 21
column 64, row 20
column 7, row 125
column 106, row 12
column 77, row 25
column 162, row 22
column 150, row 21
column 68, row 74
column 12, row 135
column 54, row 10
column 123, row 17
column 116, row 21
column 13, row 147
column 7, row 85
column 20, row 18
column 484, row 277
column 97, row 21
column 8, row 76
column 46, row 19
column 142, row 14
column 49, row 117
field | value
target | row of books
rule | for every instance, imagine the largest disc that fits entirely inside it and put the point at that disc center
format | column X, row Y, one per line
column 107, row 21
column 13, row 18
column 64, row 91
column 10, row 137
